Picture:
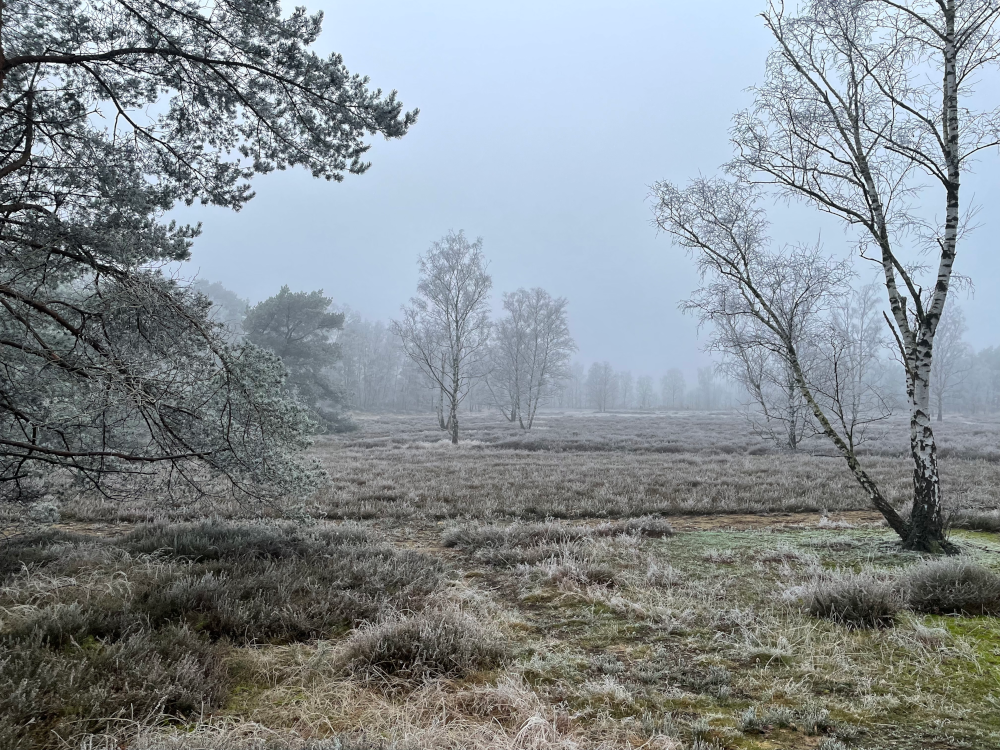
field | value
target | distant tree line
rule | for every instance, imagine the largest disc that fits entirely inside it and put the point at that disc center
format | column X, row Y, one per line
column 602, row 388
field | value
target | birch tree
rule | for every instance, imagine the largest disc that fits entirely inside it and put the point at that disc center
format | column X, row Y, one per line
column 625, row 390
column 775, row 410
column 644, row 392
column 866, row 113
column 530, row 350
column 777, row 298
column 445, row 328
column 672, row 388
column 601, row 386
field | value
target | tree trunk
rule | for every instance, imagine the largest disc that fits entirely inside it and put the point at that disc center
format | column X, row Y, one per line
column 881, row 503
column 926, row 533
column 456, row 384
column 440, row 409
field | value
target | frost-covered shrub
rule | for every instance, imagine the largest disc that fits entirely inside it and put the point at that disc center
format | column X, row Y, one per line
column 975, row 519
column 953, row 585
column 48, row 688
column 438, row 642
column 858, row 600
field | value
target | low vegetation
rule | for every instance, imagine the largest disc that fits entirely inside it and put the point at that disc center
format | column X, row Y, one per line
column 484, row 625
column 859, row 600
column 953, row 586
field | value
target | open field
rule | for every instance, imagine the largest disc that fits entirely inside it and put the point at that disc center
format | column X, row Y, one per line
column 612, row 581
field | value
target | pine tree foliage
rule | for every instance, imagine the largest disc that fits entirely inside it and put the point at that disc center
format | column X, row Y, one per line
column 112, row 113
column 299, row 327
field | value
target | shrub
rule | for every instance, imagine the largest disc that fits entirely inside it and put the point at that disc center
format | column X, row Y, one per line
column 975, row 519
column 815, row 720
column 85, row 687
column 779, row 716
column 249, row 582
column 34, row 548
column 217, row 540
column 439, row 642
column 750, row 722
column 953, row 585
column 858, row 600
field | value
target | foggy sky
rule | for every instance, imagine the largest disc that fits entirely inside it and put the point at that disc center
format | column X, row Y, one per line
column 542, row 126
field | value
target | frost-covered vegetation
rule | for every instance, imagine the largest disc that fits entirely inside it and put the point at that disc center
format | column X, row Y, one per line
column 604, row 595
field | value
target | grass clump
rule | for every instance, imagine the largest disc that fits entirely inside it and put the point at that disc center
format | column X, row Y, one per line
column 33, row 549
column 857, row 600
column 438, row 642
column 953, row 586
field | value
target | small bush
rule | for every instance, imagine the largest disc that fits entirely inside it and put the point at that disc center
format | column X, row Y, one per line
column 815, row 720
column 34, row 548
column 751, row 723
column 856, row 600
column 953, row 585
column 440, row 642
column 84, row 687
column 779, row 716
column 975, row 519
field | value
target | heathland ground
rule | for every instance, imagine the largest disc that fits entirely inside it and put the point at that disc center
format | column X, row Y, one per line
column 605, row 581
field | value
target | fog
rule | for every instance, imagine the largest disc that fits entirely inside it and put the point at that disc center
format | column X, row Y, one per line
column 542, row 127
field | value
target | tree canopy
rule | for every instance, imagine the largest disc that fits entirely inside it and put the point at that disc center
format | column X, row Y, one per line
column 111, row 113
column 298, row 327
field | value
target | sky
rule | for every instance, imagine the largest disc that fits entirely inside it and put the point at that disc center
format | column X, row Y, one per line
column 542, row 126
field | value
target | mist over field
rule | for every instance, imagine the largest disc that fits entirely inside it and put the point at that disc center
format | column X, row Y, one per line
column 561, row 376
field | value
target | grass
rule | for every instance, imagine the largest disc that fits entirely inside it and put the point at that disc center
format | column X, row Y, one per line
column 596, row 590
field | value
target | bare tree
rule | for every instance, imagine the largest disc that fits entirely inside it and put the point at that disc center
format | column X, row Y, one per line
column 777, row 298
column 842, row 354
column 951, row 363
column 644, row 392
column 376, row 373
column 572, row 389
column 530, row 352
column 864, row 111
column 626, row 389
column 445, row 328
column 706, row 388
column 601, row 385
column 672, row 388
column 775, row 410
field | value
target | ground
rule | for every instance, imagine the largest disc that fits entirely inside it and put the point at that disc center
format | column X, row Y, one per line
column 515, row 591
